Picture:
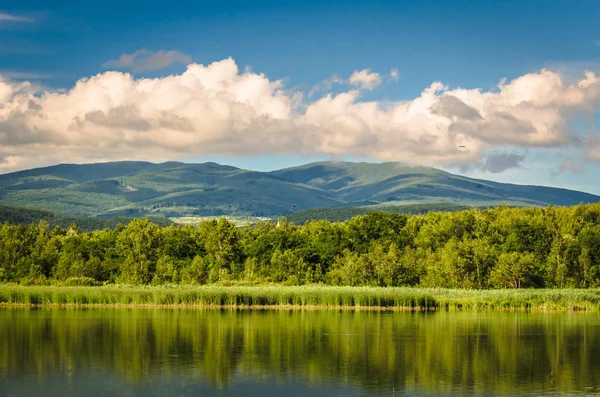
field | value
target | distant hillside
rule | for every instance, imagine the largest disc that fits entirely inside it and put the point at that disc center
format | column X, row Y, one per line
column 25, row 216
column 175, row 189
column 370, row 184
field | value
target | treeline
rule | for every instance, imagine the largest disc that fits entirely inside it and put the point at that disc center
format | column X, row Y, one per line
column 19, row 215
column 341, row 214
column 503, row 247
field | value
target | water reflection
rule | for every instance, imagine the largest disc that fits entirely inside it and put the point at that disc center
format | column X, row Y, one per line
column 191, row 352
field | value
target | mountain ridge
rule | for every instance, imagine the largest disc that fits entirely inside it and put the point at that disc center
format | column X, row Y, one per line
column 142, row 188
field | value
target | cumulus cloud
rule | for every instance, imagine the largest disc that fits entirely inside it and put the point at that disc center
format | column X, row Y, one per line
column 143, row 59
column 497, row 163
column 365, row 79
column 452, row 107
column 394, row 74
column 218, row 109
column 13, row 18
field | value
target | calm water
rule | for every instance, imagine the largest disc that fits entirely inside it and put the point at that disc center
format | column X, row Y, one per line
column 154, row 352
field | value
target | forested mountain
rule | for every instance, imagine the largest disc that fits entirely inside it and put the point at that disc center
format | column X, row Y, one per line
column 175, row 189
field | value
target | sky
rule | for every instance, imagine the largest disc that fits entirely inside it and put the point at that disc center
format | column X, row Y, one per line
column 506, row 91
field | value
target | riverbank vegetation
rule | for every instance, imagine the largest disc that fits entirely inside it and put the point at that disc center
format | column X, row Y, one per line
column 554, row 247
column 303, row 297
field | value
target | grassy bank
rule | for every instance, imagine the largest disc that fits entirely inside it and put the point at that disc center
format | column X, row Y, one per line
column 308, row 296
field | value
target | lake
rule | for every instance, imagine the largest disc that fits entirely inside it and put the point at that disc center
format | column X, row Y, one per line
column 166, row 352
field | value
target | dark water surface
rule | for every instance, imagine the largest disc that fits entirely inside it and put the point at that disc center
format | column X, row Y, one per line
column 159, row 352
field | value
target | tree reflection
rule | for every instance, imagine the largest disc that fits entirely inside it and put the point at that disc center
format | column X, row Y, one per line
column 475, row 352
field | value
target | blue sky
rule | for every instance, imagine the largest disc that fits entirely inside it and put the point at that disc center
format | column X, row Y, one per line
column 468, row 44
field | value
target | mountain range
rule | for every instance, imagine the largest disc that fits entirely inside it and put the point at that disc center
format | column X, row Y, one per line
column 175, row 189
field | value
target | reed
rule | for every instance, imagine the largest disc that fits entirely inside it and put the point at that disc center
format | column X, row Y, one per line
column 304, row 296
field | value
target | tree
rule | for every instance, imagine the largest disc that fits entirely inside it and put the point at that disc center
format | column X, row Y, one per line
column 139, row 243
column 196, row 272
column 513, row 270
column 589, row 276
column 221, row 241
column 365, row 230
column 556, row 264
column 352, row 269
column 386, row 264
column 165, row 270
column 285, row 265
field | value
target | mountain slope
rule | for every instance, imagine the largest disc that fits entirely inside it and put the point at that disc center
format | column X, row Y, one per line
column 370, row 183
column 175, row 189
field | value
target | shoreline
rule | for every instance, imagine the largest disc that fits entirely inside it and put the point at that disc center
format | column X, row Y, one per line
column 216, row 307
column 314, row 297
column 537, row 309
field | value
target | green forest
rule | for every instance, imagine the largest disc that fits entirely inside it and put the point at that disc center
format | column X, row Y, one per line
column 503, row 247
column 20, row 215
column 341, row 214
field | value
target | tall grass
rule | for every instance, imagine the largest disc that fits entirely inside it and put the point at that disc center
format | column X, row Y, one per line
column 216, row 296
column 517, row 299
column 306, row 296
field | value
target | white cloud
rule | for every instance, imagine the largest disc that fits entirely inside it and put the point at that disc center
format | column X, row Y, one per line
column 326, row 84
column 362, row 79
column 216, row 109
column 365, row 79
column 13, row 18
column 143, row 59
column 394, row 74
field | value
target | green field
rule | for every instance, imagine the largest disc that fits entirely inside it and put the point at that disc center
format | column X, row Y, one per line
column 305, row 297
column 239, row 221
